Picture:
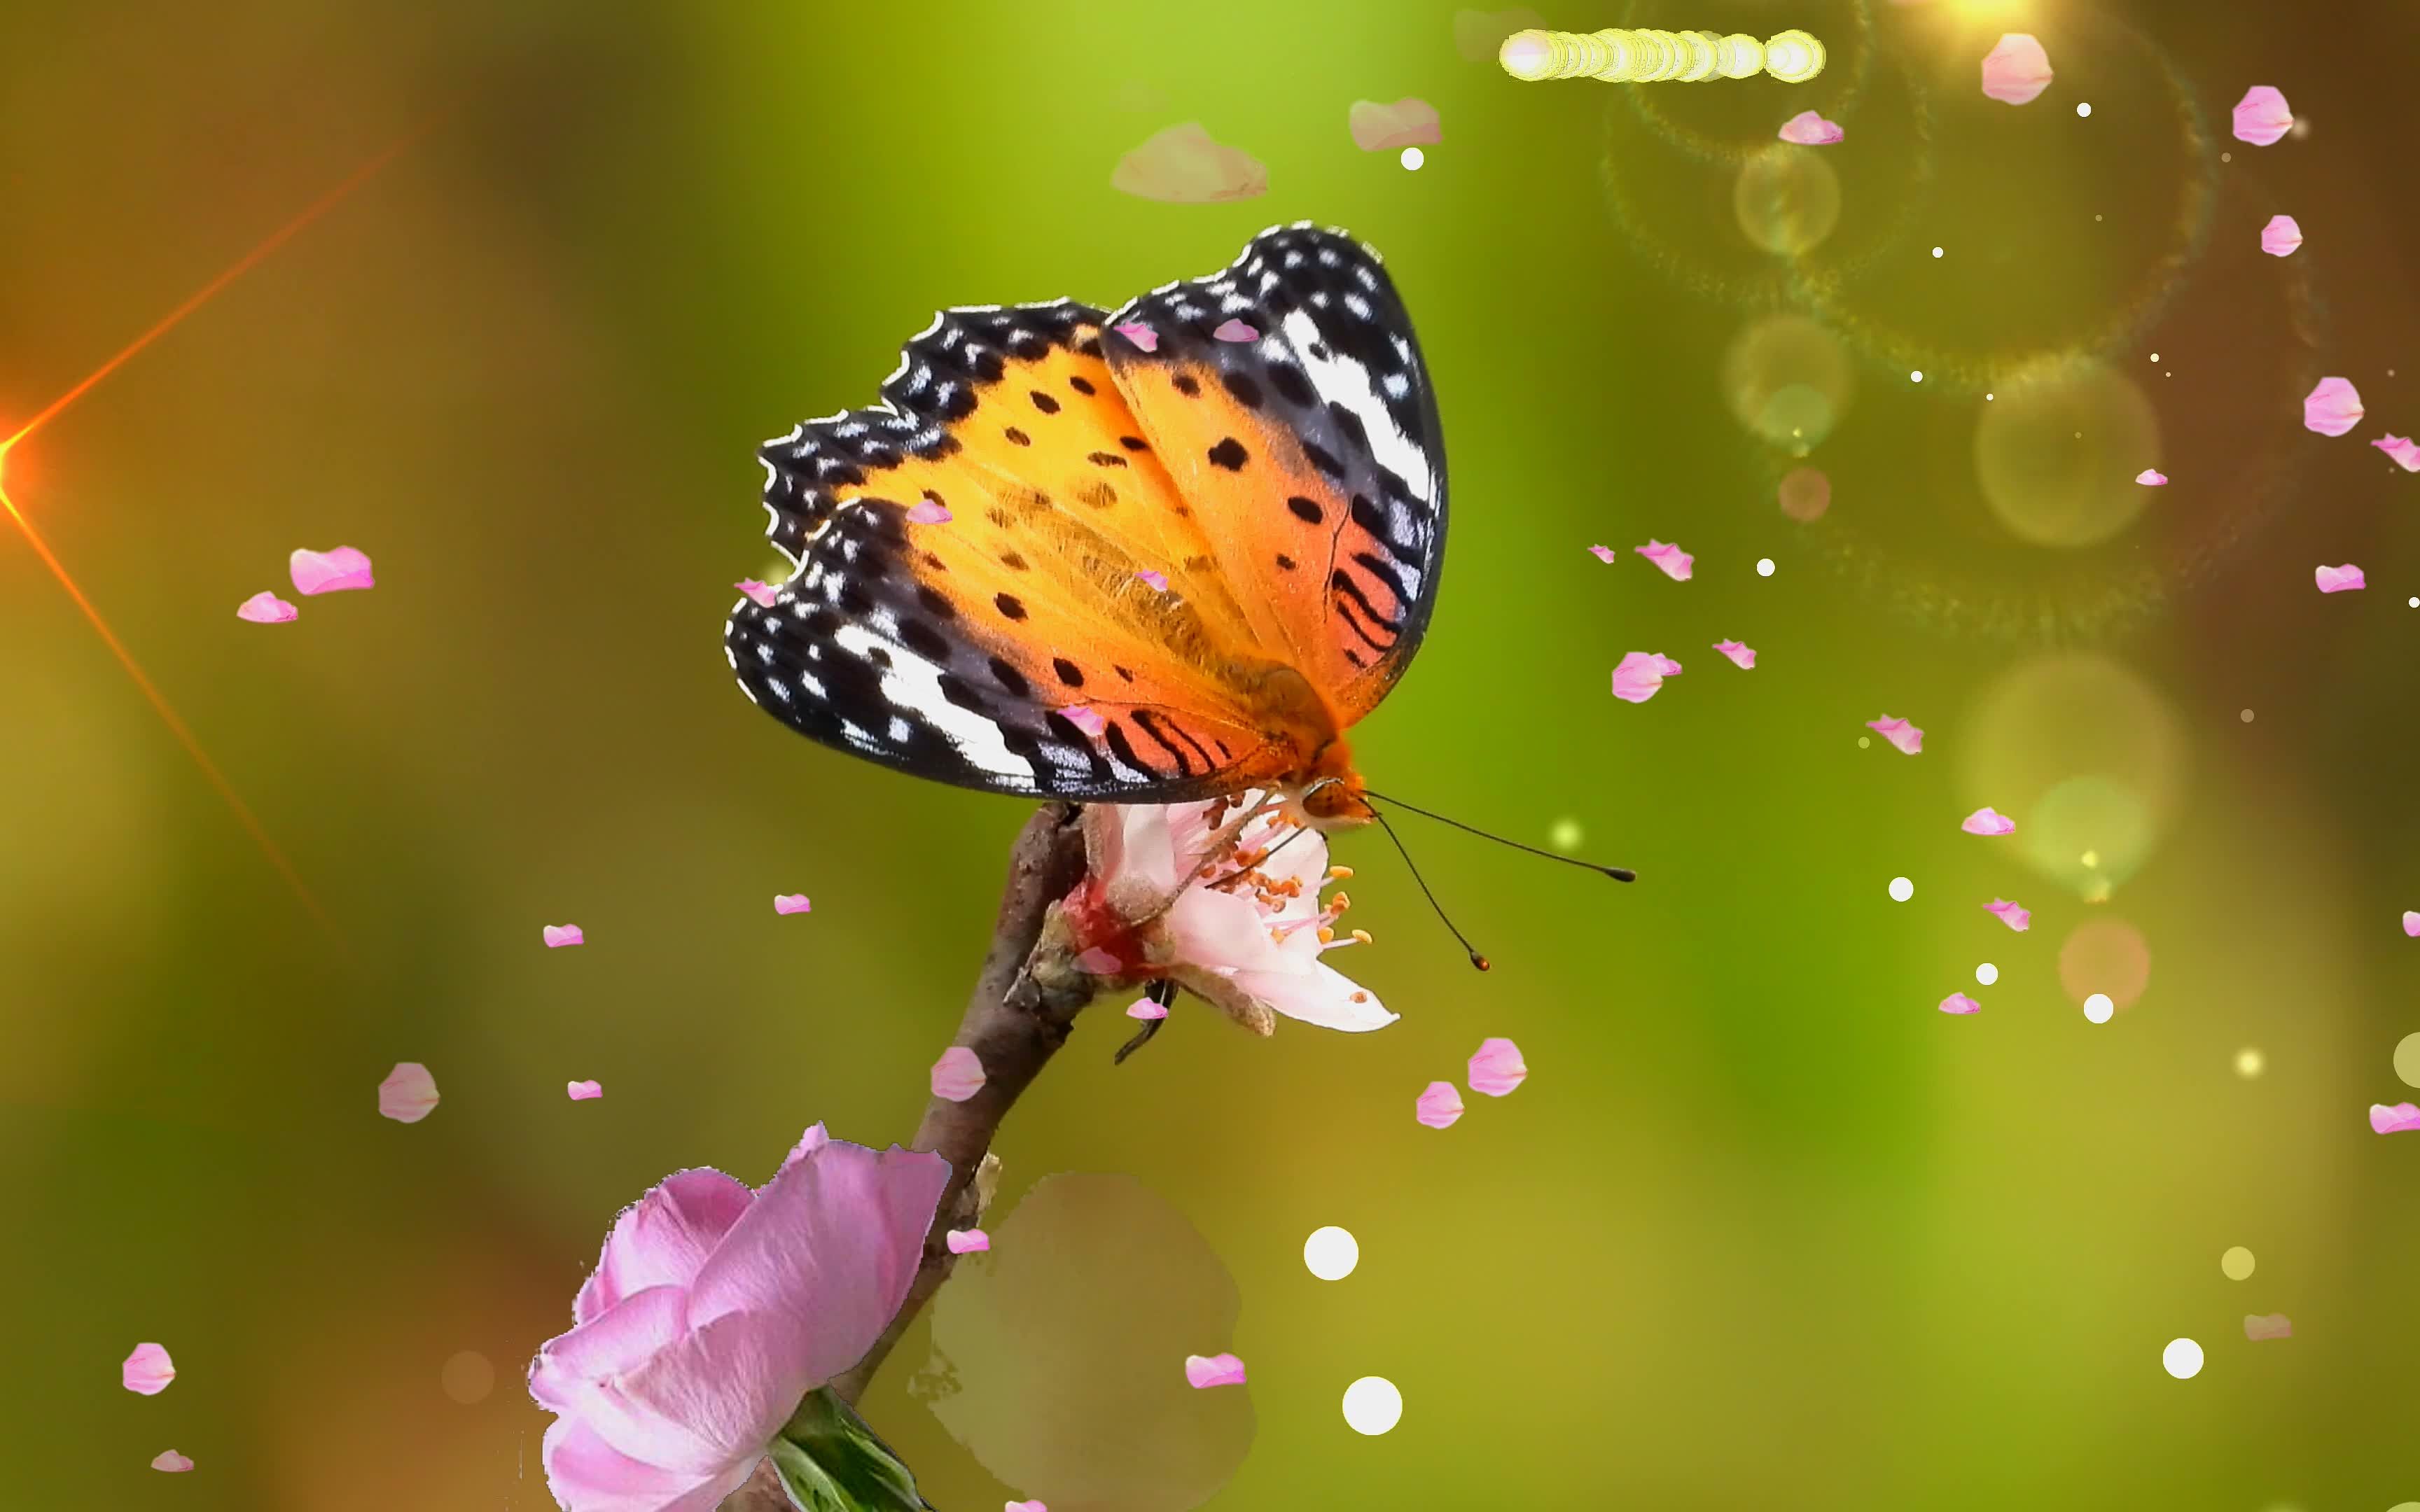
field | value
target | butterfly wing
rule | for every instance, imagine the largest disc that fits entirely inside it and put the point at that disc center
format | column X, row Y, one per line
column 1310, row 451
column 1014, row 646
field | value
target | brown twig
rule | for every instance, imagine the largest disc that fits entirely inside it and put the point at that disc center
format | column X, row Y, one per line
column 1013, row 1026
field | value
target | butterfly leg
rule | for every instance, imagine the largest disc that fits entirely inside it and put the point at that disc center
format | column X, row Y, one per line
column 1162, row 991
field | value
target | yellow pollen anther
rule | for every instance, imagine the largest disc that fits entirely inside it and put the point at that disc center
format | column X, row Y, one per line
column 1327, row 935
column 1361, row 937
column 1340, row 902
column 1339, row 873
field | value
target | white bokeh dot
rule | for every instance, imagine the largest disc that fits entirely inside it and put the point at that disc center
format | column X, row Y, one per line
column 1374, row 1406
column 2083, row 108
column 1916, row 376
column 2414, row 602
column 2250, row 1062
column 1936, row 252
column 2099, row 1009
column 1902, row 889
column 1332, row 1253
column 1987, row 973
column 1764, row 566
column 1413, row 158
column 2182, row 1358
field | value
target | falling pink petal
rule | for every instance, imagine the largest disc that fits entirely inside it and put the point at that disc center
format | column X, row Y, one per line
column 2403, row 1118
column 173, row 1462
column 559, row 935
column 2151, row 478
column 1098, row 961
column 1642, row 673
column 1087, row 720
column 764, row 594
column 147, row 1371
column 1439, row 1105
column 1900, row 733
column 409, row 1094
column 1496, row 1068
column 1155, row 581
column 1144, row 1008
column 1201, row 1372
column 1025, row 1507
column 1960, row 1003
column 1602, row 553
column 1808, row 130
column 2012, row 914
column 1742, row 656
column 329, row 572
column 791, row 903
column 1235, row 330
column 2401, row 449
column 2412, row 923
column 583, row 1091
column 2267, row 1326
column 265, row 608
column 1141, row 335
column 959, row 1074
column 1675, row 561
column 2332, row 407
column 967, row 1241
column 2261, row 116
column 929, row 512
column 2017, row 70
column 1406, row 123
column 1185, row 165
column 2281, row 236
column 2343, row 579
column 1988, row 821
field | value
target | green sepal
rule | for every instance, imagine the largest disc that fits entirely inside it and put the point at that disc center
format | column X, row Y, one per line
column 831, row 1461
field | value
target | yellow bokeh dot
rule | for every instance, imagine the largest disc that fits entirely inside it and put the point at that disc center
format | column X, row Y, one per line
column 2250, row 1063
column 2237, row 1263
column 2406, row 1059
column 1787, row 199
column 468, row 1378
column 2057, row 461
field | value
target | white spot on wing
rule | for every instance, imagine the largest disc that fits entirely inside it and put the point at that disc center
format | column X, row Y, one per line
column 913, row 684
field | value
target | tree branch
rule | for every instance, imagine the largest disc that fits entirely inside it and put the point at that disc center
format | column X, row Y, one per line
column 1013, row 1026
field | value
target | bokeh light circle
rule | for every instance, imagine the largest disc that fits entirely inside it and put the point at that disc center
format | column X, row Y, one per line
column 2106, row 955
column 1372, row 1405
column 1788, row 381
column 468, row 1378
column 1787, row 200
column 1902, row 889
column 2250, row 1062
column 2181, row 1359
column 1987, row 974
column 1332, row 1253
column 1806, row 493
column 2406, row 1059
column 2057, row 458
column 2098, row 1009
column 2238, row 1263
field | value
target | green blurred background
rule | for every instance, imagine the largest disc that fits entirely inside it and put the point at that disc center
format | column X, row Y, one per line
column 1762, row 1229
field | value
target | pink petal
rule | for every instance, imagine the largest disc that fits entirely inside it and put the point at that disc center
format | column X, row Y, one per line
column 791, row 903
column 1496, row 1068
column 1905, row 737
column 1087, row 720
column 1642, row 673
column 1183, row 165
column 763, row 594
column 1141, row 335
column 1025, row 1507
column 1602, row 553
column 2267, row 1326
column 2403, row 1118
column 2017, row 70
column 2401, row 449
column 928, row 512
column 2151, row 478
column 1143, row 1008
column 1203, row 1372
column 2261, row 116
column 1406, row 123
column 2020, row 920
column 2332, row 407
column 2412, row 923
column 409, row 1094
column 583, row 1091
column 1988, row 821
column 171, row 1461
column 1234, row 331
column 959, row 1074
column 1808, row 130
column 329, row 572
column 2281, row 236
column 2343, row 579
column 1157, row 581
column 147, row 1371
column 660, row 1241
column 1741, row 657
column 265, row 608
column 559, row 935
column 1438, row 1106
column 967, row 1241
column 1675, row 561
column 588, row 1474
column 1960, row 1003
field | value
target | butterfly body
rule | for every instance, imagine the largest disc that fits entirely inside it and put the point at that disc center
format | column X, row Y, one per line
column 1170, row 552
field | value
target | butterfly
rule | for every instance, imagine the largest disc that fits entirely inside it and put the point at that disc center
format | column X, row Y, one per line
column 1166, row 553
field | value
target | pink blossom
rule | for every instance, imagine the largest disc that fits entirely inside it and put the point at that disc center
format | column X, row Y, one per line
column 1988, row 821
column 2015, row 917
column 1741, row 657
column 2151, row 478
column 1025, row 1507
column 1201, row 1372
column 2281, row 236
column 2261, row 116
column 1438, row 1105
column 714, row 1310
column 1642, row 673
column 409, row 1094
column 929, row 512
column 2259, row 1326
column 329, row 572
column 147, row 1371
column 2412, row 923
column 265, row 608
column 1903, row 736
column 1602, row 553
column 1406, row 123
column 2332, row 408
column 2403, row 1118
column 1496, row 1068
column 1675, row 561
column 791, row 903
column 1157, row 581
column 1808, row 130
column 967, row 1241
column 1086, row 719
column 1960, row 1003
column 1144, row 1008
column 1234, row 331
column 959, row 1074
column 583, row 1091
column 1141, row 335
column 558, row 935
column 2016, row 71
column 2343, row 579
column 1185, row 165
column 2401, row 449
column 762, row 594
column 171, row 1461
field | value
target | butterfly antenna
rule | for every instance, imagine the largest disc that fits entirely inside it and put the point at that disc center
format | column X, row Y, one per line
column 1618, row 874
column 1476, row 959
